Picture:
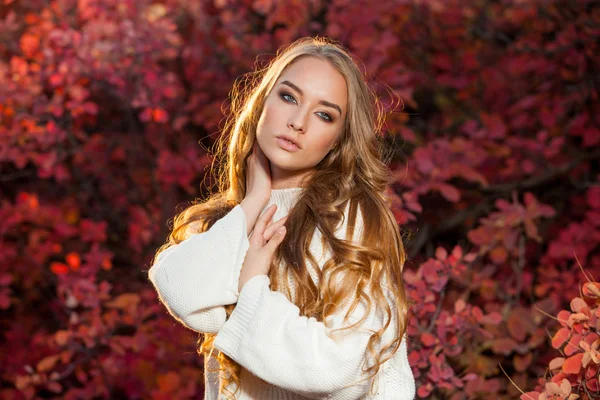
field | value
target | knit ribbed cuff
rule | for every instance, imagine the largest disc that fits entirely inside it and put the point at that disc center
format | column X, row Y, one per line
column 230, row 336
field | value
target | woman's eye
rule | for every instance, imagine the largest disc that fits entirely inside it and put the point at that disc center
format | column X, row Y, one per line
column 283, row 96
column 326, row 117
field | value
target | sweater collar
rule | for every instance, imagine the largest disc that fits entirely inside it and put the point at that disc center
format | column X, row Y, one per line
column 284, row 198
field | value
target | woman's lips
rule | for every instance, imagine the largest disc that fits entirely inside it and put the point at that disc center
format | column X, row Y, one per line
column 287, row 145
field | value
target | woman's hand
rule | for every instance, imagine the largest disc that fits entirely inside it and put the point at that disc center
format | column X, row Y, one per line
column 263, row 242
column 258, row 186
column 258, row 174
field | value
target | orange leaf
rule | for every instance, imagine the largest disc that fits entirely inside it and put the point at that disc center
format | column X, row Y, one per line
column 62, row 337
column 58, row 268
column 29, row 44
column 47, row 363
column 572, row 345
column 31, row 18
column 572, row 364
column 106, row 264
column 160, row 115
column 74, row 261
column 560, row 337
column 169, row 382
column 124, row 301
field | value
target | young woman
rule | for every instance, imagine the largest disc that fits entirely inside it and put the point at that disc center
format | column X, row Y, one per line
column 292, row 272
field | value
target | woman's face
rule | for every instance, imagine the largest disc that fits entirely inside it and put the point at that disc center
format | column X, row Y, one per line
column 308, row 106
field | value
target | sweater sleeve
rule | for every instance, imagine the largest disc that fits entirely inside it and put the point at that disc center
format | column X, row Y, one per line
column 196, row 278
column 267, row 336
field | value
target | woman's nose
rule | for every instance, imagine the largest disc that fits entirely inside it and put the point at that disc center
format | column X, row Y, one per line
column 297, row 122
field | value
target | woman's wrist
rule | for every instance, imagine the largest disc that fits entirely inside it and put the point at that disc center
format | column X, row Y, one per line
column 245, row 279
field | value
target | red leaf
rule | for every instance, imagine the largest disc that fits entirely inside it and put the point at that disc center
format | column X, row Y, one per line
column 522, row 362
column 503, row 346
column 494, row 125
column 592, row 384
column 450, row 193
column 159, row 115
column 425, row 390
column 498, row 255
column 591, row 137
column 493, row 318
column 563, row 317
column 593, row 197
column 146, row 115
column 428, row 339
column 59, row 268
column 516, row 328
column 407, row 134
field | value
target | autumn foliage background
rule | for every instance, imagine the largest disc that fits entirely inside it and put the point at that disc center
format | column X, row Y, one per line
column 107, row 107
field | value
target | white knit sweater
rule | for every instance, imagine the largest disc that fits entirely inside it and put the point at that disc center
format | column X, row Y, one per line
column 283, row 355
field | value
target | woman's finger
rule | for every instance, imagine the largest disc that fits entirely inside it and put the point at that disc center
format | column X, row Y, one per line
column 272, row 244
column 268, row 233
column 261, row 223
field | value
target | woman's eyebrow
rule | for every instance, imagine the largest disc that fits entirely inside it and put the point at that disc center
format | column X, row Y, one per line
column 323, row 102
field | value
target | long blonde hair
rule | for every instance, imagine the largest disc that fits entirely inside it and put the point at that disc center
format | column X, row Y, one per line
column 353, row 174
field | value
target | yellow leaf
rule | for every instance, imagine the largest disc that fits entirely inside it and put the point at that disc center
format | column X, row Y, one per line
column 565, row 387
column 556, row 363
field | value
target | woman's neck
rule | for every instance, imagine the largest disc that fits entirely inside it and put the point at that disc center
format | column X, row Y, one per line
column 282, row 179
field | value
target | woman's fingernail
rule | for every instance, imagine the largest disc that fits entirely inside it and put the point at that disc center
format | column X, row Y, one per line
column 281, row 230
